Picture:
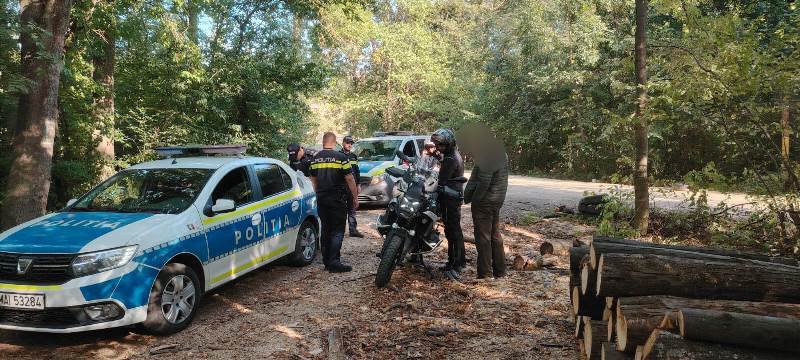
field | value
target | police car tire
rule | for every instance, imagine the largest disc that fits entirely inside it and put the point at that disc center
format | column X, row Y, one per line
column 297, row 258
column 156, row 323
column 388, row 259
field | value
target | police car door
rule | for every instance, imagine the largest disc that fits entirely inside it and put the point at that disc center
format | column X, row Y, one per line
column 230, row 232
column 281, row 211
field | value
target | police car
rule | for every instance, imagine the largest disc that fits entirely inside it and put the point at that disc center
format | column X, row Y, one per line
column 146, row 244
column 378, row 153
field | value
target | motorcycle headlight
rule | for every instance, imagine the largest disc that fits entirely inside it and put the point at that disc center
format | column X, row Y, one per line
column 96, row 262
column 377, row 180
column 409, row 205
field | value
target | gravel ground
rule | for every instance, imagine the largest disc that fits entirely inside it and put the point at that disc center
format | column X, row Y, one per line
column 287, row 313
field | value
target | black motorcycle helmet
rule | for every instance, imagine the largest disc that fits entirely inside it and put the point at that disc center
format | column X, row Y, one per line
column 445, row 138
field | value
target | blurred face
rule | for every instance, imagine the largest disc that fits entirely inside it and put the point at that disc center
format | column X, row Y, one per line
column 347, row 146
column 301, row 153
column 441, row 147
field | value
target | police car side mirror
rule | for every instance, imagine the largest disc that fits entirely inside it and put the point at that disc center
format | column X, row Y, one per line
column 71, row 202
column 223, row 206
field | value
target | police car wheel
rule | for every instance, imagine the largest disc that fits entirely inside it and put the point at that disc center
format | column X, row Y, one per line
column 305, row 249
column 173, row 300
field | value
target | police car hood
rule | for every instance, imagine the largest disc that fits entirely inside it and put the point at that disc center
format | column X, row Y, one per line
column 373, row 168
column 74, row 232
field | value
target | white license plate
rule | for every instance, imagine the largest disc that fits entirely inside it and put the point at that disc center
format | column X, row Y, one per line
column 22, row 301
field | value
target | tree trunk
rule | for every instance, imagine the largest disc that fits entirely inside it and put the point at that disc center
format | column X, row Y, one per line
column 104, row 63
column 621, row 275
column 297, row 35
column 193, row 21
column 42, row 60
column 663, row 345
column 641, row 196
column 610, row 352
column 756, row 331
column 594, row 335
column 598, row 248
column 637, row 317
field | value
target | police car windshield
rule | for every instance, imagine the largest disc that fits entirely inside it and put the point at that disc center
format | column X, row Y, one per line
column 163, row 191
column 376, row 150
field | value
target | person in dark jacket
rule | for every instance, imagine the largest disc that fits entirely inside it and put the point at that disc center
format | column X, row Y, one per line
column 347, row 150
column 299, row 159
column 486, row 190
column 451, row 169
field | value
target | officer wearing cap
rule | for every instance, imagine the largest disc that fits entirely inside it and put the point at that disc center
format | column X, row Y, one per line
column 347, row 150
column 332, row 177
column 299, row 159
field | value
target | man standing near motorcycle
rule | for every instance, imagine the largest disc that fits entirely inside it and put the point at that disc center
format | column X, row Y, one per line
column 486, row 190
column 332, row 177
column 452, row 167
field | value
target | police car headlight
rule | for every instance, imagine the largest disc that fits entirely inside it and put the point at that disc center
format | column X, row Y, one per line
column 96, row 262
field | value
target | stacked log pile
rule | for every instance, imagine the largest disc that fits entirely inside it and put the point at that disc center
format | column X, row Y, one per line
column 638, row 300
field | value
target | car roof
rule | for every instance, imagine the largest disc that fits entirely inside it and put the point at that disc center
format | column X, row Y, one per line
column 201, row 162
column 395, row 137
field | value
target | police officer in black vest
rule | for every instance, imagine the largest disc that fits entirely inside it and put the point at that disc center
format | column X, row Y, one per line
column 299, row 159
column 332, row 177
column 452, row 168
column 347, row 150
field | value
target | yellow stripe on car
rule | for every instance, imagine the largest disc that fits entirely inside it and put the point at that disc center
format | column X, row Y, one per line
column 29, row 287
column 251, row 207
column 249, row 264
column 378, row 170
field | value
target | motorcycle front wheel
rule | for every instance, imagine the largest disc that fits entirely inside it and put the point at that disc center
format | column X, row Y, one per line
column 389, row 259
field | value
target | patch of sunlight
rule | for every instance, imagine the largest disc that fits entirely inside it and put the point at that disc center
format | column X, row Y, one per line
column 287, row 331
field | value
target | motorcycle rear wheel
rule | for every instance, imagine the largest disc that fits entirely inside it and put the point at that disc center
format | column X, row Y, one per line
column 388, row 259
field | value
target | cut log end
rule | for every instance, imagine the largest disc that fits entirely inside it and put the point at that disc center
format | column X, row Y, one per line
column 639, row 354
column 576, row 300
column 610, row 330
column 621, row 330
column 579, row 327
column 584, row 279
column 598, row 282
column 593, row 257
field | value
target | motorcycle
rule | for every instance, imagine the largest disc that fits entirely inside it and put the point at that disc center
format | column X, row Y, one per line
column 410, row 223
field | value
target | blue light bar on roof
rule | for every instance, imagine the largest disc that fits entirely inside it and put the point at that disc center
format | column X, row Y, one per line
column 188, row 150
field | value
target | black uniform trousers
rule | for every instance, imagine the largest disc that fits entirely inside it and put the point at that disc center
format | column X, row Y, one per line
column 451, row 215
column 489, row 242
column 351, row 215
column 332, row 209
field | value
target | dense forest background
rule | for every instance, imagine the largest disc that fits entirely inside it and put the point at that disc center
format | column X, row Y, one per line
column 554, row 79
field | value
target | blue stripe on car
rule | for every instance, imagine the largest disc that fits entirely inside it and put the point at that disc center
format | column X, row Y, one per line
column 67, row 232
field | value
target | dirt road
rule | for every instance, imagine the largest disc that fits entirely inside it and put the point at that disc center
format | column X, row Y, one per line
column 527, row 193
column 287, row 313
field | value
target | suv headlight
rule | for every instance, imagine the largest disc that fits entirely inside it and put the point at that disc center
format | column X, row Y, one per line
column 96, row 262
column 377, row 179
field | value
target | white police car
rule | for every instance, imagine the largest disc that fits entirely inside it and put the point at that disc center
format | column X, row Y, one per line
column 143, row 246
column 375, row 155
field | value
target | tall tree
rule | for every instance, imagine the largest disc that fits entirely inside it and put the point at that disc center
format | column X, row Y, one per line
column 641, row 197
column 44, row 24
column 103, row 62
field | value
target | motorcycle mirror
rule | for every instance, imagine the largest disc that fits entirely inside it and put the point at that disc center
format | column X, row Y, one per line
column 402, row 156
column 393, row 171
